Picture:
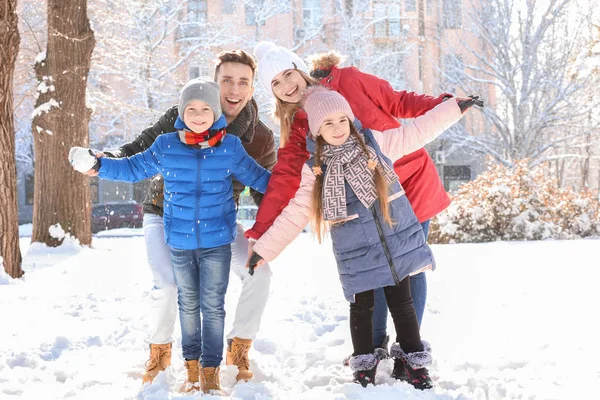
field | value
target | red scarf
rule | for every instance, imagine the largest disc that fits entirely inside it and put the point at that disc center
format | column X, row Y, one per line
column 206, row 139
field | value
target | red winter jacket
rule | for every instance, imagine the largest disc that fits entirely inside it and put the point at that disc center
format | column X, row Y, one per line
column 375, row 104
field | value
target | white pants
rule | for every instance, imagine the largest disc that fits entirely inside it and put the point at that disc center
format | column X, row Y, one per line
column 255, row 290
column 251, row 304
column 163, row 308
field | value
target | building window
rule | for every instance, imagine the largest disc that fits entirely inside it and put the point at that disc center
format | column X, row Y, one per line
column 387, row 16
column 197, row 11
column 362, row 5
column 452, row 14
column 311, row 14
column 456, row 175
column 410, row 5
column 29, row 189
column 429, row 6
column 252, row 9
column 193, row 72
column 228, row 7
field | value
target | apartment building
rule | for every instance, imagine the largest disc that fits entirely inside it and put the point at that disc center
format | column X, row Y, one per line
column 414, row 44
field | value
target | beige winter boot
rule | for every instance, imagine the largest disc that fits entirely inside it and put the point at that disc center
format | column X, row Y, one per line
column 237, row 355
column 210, row 382
column 192, row 382
column 160, row 359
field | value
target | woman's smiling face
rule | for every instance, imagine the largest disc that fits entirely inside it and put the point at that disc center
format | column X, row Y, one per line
column 289, row 86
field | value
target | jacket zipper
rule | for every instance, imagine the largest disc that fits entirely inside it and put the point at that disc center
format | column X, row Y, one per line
column 386, row 249
column 198, row 200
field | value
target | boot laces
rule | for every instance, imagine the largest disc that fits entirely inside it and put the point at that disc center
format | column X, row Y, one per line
column 154, row 358
column 192, row 372
column 165, row 358
column 240, row 355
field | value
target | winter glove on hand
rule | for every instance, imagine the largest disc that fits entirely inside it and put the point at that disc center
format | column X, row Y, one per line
column 83, row 159
column 464, row 105
column 254, row 260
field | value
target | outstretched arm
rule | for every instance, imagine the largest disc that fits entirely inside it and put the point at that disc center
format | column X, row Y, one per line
column 165, row 124
column 135, row 168
column 285, row 177
column 290, row 223
column 397, row 142
column 400, row 104
column 247, row 171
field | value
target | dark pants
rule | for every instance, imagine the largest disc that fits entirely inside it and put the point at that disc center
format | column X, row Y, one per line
column 418, row 290
column 403, row 313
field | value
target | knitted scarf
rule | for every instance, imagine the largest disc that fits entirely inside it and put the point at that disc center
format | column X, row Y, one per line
column 209, row 138
column 348, row 162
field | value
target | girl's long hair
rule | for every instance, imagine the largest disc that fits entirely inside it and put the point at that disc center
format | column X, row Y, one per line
column 318, row 225
column 284, row 111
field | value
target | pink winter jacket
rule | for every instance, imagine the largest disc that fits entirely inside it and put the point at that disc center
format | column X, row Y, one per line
column 394, row 143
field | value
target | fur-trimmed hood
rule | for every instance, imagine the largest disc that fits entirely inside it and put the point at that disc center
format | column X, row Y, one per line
column 324, row 61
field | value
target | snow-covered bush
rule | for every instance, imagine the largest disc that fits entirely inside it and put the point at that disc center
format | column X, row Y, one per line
column 516, row 203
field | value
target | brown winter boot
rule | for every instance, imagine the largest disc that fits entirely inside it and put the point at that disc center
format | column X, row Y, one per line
column 160, row 359
column 237, row 354
column 210, row 382
column 192, row 382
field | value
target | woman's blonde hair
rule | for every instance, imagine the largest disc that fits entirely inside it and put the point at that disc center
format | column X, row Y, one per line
column 318, row 225
column 284, row 111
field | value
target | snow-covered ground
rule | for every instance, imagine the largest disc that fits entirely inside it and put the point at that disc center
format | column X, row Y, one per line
column 506, row 321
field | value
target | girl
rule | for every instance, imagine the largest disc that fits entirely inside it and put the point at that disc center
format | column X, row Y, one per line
column 377, row 106
column 350, row 184
column 197, row 163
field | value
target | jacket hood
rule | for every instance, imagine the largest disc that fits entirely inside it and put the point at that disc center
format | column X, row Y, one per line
column 325, row 61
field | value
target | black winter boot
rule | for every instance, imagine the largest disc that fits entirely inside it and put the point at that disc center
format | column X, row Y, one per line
column 419, row 378
column 364, row 368
column 381, row 352
column 414, row 365
column 399, row 372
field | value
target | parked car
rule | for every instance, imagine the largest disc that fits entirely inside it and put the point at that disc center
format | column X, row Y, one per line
column 116, row 215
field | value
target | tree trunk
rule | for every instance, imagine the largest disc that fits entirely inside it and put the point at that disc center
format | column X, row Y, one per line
column 10, row 252
column 62, row 195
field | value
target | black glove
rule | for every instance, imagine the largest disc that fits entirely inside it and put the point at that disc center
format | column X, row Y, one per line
column 464, row 105
column 96, row 166
column 254, row 259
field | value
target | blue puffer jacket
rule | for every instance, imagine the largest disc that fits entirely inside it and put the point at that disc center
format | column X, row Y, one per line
column 370, row 253
column 199, row 211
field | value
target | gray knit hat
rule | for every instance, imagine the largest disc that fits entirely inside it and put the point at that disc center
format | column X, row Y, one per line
column 204, row 89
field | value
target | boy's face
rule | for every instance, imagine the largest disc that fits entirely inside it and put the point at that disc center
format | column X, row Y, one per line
column 236, row 83
column 198, row 116
column 335, row 128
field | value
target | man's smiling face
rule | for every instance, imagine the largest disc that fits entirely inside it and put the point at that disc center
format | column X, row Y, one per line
column 236, row 82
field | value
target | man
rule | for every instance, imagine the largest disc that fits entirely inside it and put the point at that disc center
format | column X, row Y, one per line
column 234, row 72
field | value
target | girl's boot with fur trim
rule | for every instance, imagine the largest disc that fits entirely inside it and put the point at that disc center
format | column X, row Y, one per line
column 415, row 366
column 364, row 367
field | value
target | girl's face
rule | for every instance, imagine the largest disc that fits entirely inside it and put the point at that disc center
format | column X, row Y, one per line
column 198, row 116
column 288, row 86
column 335, row 129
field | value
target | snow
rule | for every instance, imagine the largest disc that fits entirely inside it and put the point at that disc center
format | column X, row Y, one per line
column 57, row 232
column 45, row 108
column 507, row 320
column 40, row 57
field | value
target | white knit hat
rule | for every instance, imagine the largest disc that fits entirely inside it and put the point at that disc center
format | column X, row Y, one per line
column 273, row 59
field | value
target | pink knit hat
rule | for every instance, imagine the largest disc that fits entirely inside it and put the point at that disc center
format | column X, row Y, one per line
column 320, row 102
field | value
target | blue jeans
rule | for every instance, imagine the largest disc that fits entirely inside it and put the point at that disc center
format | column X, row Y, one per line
column 202, row 276
column 418, row 290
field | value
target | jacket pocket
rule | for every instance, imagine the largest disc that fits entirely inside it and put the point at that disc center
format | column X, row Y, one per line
column 348, row 235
